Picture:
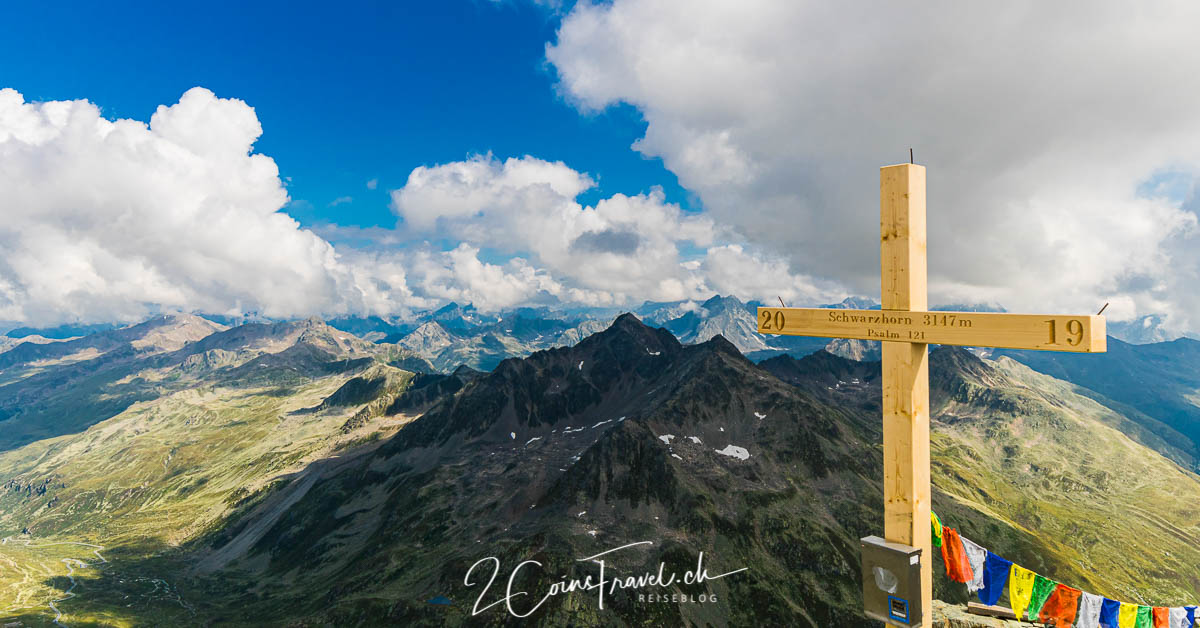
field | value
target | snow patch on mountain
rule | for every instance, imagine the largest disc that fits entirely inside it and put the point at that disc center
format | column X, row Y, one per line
column 734, row 451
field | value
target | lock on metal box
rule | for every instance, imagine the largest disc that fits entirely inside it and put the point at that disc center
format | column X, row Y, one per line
column 891, row 577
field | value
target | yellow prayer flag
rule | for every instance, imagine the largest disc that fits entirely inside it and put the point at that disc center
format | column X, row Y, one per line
column 1020, row 589
column 1127, row 616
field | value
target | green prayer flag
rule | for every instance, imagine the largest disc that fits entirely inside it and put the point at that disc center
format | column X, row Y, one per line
column 937, row 528
column 1042, row 588
column 1144, row 619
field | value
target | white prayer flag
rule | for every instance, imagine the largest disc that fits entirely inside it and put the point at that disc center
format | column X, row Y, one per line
column 976, row 555
column 1089, row 611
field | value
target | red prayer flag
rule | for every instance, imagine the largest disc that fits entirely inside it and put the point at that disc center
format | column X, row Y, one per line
column 1162, row 617
column 1059, row 609
column 958, row 566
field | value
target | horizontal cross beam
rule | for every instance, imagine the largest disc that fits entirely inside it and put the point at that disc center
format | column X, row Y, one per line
column 1049, row 332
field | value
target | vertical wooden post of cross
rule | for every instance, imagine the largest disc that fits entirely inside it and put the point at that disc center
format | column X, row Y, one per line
column 906, row 490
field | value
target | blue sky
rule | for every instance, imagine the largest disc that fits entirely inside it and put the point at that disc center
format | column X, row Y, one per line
column 345, row 92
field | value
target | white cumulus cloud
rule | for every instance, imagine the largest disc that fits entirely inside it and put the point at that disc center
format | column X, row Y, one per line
column 1044, row 128
column 113, row 219
column 620, row 251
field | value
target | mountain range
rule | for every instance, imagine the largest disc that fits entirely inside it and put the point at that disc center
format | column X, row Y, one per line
column 455, row 334
column 295, row 474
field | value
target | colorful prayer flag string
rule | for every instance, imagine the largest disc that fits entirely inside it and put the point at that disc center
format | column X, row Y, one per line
column 1041, row 599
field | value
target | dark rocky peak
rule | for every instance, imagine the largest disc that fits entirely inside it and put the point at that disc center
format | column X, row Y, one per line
column 718, row 344
column 821, row 367
column 629, row 337
column 528, row 325
column 950, row 368
column 946, row 365
column 595, row 380
column 370, row 384
column 822, row 361
column 627, row 345
column 428, row 388
column 465, row 374
column 949, row 358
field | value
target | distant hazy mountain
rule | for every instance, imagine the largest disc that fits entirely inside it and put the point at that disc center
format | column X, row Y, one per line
column 969, row 307
column 60, row 332
column 60, row 388
column 1142, row 330
column 458, row 334
column 373, row 328
column 485, row 345
column 428, row 339
column 658, row 314
column 461, row 317
column 7, row 343
column 720, row 316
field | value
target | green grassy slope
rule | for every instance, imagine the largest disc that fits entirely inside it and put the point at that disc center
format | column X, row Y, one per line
column 1160, row 380
column 217, row 427
column 1028, row 450
column 162, row 473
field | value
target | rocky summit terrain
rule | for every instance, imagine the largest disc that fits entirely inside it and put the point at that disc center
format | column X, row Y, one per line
column 296, row 474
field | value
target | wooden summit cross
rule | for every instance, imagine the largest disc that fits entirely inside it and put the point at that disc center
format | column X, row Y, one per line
column 907, row 328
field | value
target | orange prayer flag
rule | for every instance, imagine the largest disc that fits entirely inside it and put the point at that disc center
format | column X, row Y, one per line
column 1060, row 608
column 958, row 565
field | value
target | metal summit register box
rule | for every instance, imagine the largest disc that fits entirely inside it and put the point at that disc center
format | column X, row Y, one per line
column 891, row 578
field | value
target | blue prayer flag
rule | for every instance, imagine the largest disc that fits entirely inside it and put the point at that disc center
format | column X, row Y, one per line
column 1108, row 613
column 995, row 576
